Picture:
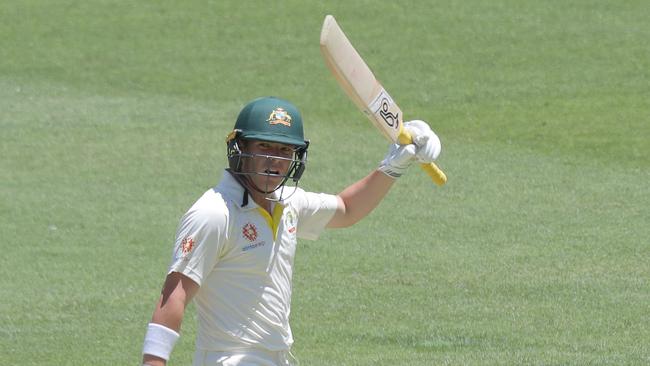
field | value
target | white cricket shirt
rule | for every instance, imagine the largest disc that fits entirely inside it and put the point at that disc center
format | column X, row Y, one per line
column 242, row 258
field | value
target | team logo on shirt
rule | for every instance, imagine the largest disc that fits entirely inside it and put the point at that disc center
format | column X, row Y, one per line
column 279, row 116
column 291, row 222
column 250, row 232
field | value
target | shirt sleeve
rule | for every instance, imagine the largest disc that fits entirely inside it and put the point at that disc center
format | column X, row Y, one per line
column 315, row 210
column 200, row 237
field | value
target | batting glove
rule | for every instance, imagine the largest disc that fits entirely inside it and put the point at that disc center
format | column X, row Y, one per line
column 427, row 142
column 397, row 160
column 425, row 148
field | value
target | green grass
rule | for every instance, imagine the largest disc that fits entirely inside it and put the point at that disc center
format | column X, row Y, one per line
column 113, row 116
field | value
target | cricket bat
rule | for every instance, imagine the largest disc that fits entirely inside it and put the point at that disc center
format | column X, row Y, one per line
column 360, row 84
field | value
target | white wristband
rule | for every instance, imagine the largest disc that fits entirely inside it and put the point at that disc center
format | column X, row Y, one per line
column 159, row 341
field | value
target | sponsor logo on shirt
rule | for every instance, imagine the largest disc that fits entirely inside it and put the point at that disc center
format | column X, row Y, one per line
column 250, row 232
column 253, row 246
column 187, row 244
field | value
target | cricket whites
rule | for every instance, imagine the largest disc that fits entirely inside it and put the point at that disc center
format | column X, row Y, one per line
column 360, row 84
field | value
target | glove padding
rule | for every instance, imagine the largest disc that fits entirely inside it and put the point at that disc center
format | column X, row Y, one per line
column 397, row 160
column 427, row 142
column 425, row 148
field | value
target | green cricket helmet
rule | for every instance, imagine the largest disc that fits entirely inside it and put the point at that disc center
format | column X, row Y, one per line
column 268, row 119
column 271, row 119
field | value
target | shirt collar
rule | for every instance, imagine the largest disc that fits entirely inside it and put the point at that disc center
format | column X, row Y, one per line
column 233, row 191
column 230, row 188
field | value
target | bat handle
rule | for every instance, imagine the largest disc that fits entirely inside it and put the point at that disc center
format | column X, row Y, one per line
column 437, row 175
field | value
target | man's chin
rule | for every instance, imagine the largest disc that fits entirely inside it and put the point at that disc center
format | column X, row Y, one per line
column 269, row 184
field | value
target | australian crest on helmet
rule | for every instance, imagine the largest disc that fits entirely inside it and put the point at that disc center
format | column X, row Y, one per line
column 279, row 116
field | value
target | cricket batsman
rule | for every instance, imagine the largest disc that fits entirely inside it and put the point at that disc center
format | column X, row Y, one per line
column 234, row 248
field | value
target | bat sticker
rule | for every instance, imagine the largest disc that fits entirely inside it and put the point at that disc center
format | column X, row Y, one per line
column 381, row 106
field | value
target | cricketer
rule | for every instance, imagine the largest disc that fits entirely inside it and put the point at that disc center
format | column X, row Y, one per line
column 234, row 248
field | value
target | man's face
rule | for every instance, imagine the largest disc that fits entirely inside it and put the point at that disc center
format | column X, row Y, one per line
column 271, row 161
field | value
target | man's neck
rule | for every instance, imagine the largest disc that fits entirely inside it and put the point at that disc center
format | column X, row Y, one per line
column 260, row 199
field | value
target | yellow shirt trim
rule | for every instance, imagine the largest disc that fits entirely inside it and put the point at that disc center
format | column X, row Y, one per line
column 272, row 221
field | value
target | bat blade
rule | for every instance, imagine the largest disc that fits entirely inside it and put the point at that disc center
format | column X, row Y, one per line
column 360, row 84
column 357, row 80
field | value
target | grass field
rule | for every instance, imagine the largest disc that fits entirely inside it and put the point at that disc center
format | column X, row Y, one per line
column 536, row 252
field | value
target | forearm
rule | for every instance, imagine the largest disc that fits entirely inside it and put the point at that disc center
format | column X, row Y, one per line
column 170, row 308
column 168, row 313
column 360, row 198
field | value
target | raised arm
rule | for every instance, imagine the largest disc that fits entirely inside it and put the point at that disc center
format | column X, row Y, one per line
column 359, row 199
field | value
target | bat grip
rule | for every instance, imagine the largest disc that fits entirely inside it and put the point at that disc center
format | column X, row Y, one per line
column 437, row 175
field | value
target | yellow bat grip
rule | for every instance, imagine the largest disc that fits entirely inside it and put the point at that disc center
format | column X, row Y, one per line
column 437, row 175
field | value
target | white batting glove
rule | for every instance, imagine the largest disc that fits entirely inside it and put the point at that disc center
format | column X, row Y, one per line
column 427, row 142
column 397, row 160
column 425, row 148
